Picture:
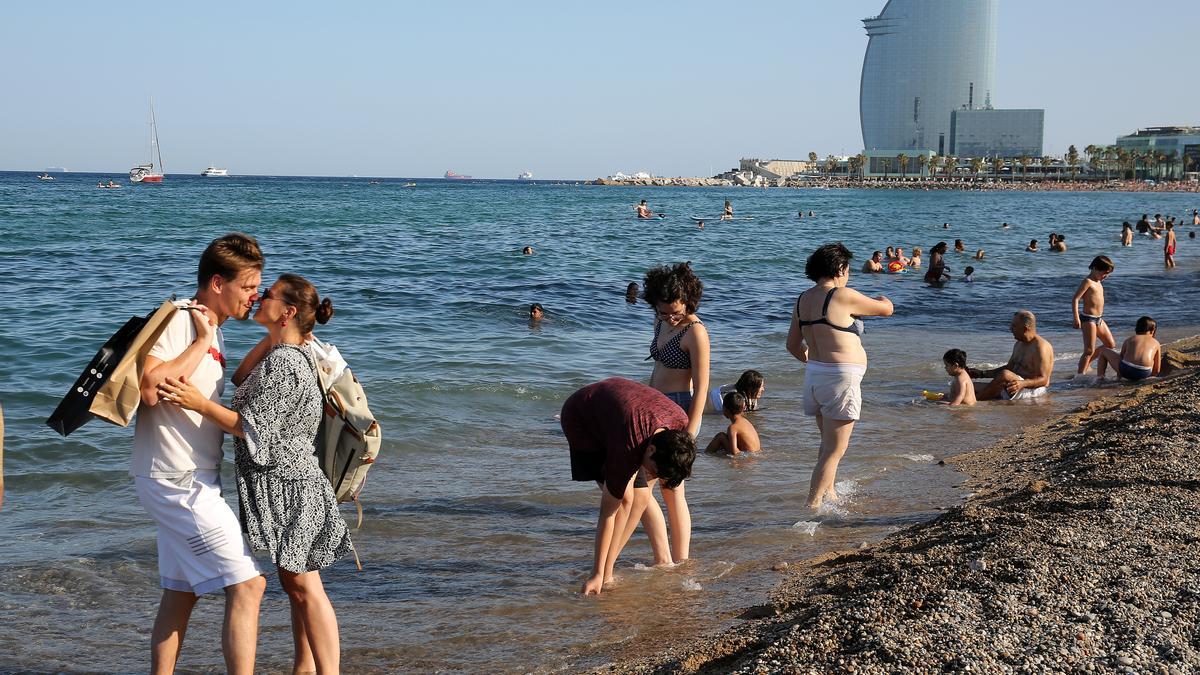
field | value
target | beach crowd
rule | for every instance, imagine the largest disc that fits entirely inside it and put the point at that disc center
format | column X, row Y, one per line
column 628, row 437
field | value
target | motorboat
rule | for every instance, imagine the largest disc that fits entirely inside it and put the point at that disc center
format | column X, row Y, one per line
column 525, row 175
column 213, row 171
column 45, row 176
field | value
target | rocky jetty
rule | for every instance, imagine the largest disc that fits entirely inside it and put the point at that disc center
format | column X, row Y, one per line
column 1077, row 552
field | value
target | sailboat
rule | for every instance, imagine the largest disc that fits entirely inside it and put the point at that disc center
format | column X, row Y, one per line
column 145, row 173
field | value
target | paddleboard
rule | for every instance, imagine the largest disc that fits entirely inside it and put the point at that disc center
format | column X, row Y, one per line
column 718, row 218
column 657, row 216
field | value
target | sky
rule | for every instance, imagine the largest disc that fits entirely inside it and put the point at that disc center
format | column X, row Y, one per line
column 566, row 90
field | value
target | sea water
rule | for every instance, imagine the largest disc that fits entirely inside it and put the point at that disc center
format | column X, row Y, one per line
column 475, row 540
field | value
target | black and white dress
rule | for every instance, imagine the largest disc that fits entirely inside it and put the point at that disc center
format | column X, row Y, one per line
column 288, row 505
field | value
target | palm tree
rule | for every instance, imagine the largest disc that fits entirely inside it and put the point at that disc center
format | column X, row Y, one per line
column 934, row 160
column 902, row 162
column 1124, row 158
column 852, row 166
column 922, row 162
column 951, row 166
column 862, row 165
column 887, row 165
column 1172, row 158
column 1047, row 162
column 997, row 167
column 812, row 157
column 1073, row 160
column 1025, row 161
column 976, row 167
column 831, row 164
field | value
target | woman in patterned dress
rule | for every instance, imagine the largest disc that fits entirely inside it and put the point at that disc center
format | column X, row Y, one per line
column 288, row 506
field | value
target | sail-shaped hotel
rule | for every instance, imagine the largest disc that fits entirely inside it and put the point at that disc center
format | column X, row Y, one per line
column 925, row 60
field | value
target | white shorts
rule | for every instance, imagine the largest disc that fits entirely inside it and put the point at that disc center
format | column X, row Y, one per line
column 832, row 389
column 201, row 548
column 1024, row 393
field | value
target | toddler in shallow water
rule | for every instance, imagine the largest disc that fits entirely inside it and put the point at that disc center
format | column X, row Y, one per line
column 962, row 389
column 741, row 436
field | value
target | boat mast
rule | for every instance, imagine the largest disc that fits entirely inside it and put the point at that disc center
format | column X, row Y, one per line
column 154, row 136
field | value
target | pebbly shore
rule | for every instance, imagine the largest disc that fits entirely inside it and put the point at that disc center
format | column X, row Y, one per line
column 1078, row 551
column 920, row 185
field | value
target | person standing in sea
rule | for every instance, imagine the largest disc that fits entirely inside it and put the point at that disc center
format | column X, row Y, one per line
column 288, row 504
column 826, row 334
column 936, row 273
column 680, row 350
column 176, row 465
column 625, row 436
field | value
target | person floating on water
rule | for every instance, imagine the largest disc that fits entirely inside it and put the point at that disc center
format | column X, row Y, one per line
column 1091, row 318
column 1140, row 356
column 631, row 293
column 740, row 436
column 626, row 436
column 1027, row 373
column 727, row 214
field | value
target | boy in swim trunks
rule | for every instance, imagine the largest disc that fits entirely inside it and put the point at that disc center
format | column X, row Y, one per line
column 176, row 465
column 1090, row 319
column 740, row 436
column 1140, row 356
column 1169, row 246
column 625, row 436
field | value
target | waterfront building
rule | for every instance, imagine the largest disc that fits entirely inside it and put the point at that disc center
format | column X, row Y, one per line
column 997, row 133
column 925, row 59
column 1176, row 150
column 773, row 169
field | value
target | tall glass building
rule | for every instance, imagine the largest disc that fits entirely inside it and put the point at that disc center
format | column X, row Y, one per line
column 925, row 59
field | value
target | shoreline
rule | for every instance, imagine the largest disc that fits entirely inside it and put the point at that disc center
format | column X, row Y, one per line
column 915, row 184
column 1075, row 551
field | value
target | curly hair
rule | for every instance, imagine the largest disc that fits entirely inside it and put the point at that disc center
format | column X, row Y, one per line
column 674, row 453
column 673, row 284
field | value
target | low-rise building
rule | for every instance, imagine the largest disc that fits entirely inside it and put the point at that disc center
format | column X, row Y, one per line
column 1179, row 148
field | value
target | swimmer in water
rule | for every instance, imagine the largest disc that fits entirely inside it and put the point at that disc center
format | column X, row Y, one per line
column 528, row 250
column 631, row 293
column 536, row 313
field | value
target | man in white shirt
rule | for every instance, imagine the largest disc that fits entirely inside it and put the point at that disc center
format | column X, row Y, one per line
column 176, row 465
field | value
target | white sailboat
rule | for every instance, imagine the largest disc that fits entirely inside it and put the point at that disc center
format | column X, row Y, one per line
column 145, row 173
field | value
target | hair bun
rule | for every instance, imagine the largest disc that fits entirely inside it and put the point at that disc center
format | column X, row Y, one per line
column 324, row 311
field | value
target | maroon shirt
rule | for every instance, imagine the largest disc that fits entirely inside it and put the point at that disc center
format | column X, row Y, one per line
column 607, row 425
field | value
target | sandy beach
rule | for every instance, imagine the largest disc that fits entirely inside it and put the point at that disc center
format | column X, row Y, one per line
column 1076, row 551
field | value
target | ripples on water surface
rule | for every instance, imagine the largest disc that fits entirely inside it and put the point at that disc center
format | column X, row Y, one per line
column 475, row 539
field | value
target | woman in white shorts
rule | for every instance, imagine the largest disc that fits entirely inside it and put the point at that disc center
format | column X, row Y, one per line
column 826, row 334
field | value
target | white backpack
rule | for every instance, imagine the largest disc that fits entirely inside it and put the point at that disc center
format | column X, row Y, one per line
column 349, row 437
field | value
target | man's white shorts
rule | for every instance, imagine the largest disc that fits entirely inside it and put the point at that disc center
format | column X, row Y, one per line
column 832, row 390
column 200, row 544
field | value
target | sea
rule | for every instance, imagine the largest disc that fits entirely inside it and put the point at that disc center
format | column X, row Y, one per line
column 475, row 540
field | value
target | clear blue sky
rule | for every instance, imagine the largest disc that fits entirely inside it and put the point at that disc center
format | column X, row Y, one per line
column 562, row 89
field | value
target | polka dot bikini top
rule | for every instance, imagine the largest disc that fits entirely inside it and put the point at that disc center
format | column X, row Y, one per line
column 671, row 355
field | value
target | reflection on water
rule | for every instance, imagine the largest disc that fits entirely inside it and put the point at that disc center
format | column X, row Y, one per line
column 475, row 540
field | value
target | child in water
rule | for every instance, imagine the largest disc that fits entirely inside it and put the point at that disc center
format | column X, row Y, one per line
column 969, row 274
column 741, row 436
column 1091, row 318
column 962, row 389
column 1140, row 356
column 750, row 385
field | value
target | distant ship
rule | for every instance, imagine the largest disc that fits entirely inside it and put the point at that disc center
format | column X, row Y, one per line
column 450, row 175
column 214, row 171
column 525, row 175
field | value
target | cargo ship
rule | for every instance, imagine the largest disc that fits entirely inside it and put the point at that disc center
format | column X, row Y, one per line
column 450, row 175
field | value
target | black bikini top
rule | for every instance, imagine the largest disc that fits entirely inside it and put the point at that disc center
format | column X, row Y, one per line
column 855, row 327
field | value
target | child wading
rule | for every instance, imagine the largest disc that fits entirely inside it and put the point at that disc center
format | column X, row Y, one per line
column 1091, row 318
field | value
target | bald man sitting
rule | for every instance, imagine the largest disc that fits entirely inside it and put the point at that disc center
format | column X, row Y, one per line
column 1027, row 373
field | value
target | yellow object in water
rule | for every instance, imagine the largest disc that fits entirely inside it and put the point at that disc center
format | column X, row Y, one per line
column 933, row 395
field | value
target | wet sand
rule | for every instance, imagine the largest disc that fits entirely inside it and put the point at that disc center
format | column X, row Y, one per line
column 1077, row 551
